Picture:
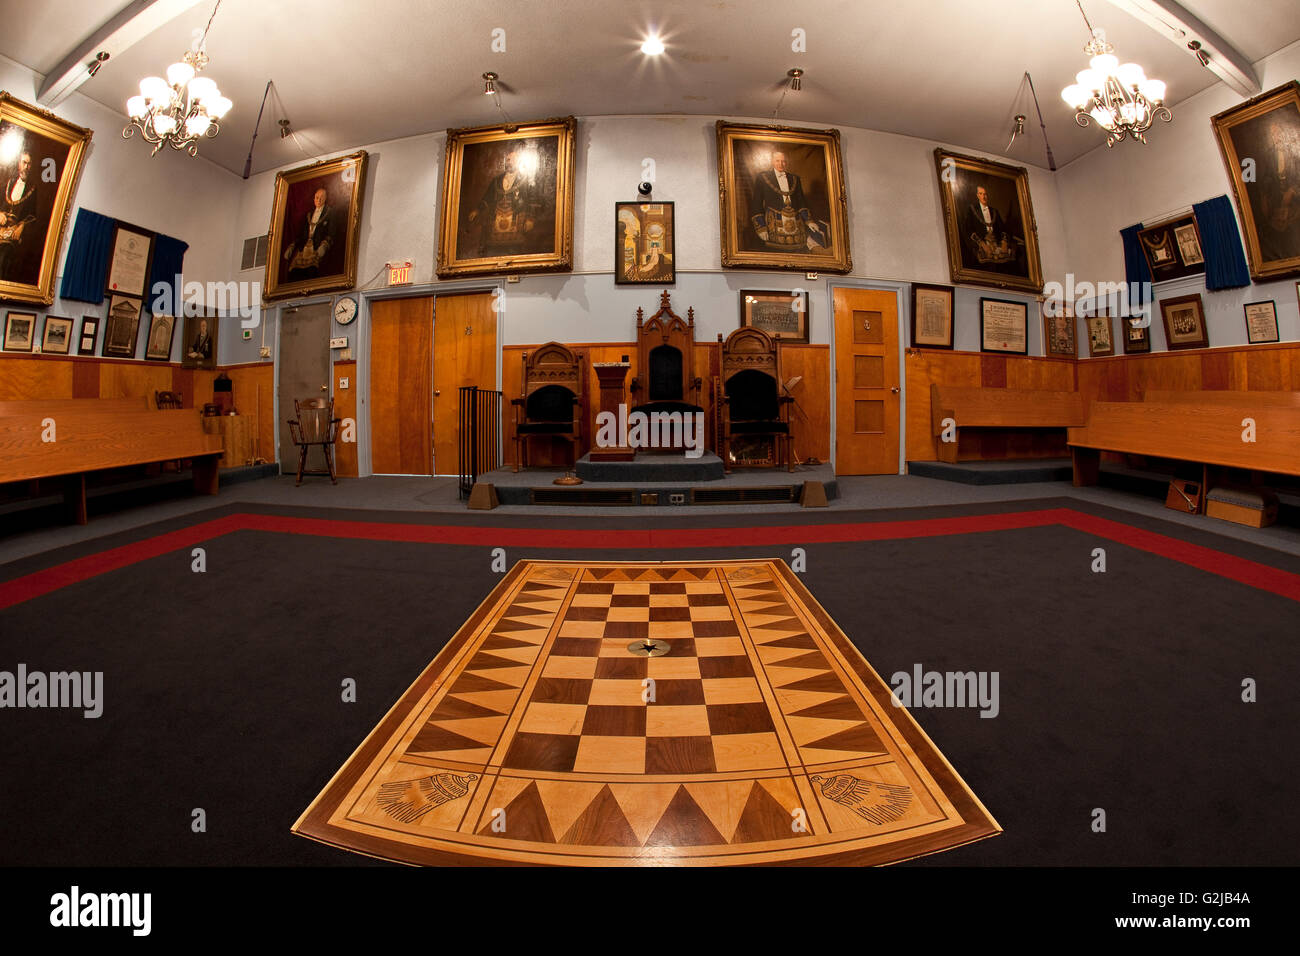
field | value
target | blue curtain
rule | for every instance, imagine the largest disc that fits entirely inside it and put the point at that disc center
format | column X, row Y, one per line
column 1225, row 261
column 1136, row 272
column 85, row 271
column 168, row 263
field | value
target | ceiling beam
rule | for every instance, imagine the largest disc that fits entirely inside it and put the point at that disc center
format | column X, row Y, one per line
column 1171, row 19
column 130, row 25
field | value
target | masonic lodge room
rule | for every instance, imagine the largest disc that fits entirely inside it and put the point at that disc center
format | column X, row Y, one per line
column 605, row 434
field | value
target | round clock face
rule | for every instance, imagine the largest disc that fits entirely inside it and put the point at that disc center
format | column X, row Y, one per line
column 345, row 310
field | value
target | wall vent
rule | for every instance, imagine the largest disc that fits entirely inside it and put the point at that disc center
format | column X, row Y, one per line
column 254, row 255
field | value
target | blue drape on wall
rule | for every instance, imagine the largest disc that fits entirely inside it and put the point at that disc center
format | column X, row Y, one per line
column 85, row 271
column 1136, row 272
column 168, row 263
column 1225, row 260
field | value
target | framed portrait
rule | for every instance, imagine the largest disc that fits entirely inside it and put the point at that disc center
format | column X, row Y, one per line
column 932, row 312
column 1184, row 319
column 57, row 335
column 40, row 161
column 781, row 199
column 89, row 335
column 644, row 251
column 128, row 265
column 1101, row 335
column 1136, row 337
column 199, row 346
column 1060, row 334
column 507, row 199
column 20, row 331
column 1173, row 249
column 1261, row 322
column 782, row 315
column 989, row 222
column 1266, row 129
column 123, row 326
column 315, row 225
column 1004, row 326
column 158, row 346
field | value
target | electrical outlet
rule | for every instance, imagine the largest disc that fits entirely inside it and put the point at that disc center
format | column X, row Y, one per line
column 264, row 351
column 810, row 275
column 678, row 498
column 340, row 342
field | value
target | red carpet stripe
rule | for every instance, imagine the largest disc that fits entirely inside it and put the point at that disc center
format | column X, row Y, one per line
column 1247, row 572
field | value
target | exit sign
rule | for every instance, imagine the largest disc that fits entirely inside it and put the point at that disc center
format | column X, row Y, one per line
column 399, row 273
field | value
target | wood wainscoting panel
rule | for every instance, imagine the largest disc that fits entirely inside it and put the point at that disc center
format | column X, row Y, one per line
column 345, row 407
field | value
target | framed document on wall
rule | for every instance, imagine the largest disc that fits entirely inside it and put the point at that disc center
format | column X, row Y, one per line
column 1184, row 318
column 782, row 315
column 1137, row 335
column 1101, row 336
column 123, row 326
column 58, row 335
column 159, row 347
column 89, row 335
column 1261, row 322
column 932, row 311
column 128, row 267
column 1004, row 326
column 1060, row 336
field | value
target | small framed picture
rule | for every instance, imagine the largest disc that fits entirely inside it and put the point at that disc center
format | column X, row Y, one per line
column 89, row 335
column 1261, row 322
column 199, row 346
column 123, row 326
column 1137, row 334
column 782, row 315
column 1173, row 249
column 1101, row 337
column 1184, row 319
column 57, row 336
column 644, row 242
column 159, row 347
column 1060, row 337
column 1004, row 326
column 20, row 331
column 932, row 311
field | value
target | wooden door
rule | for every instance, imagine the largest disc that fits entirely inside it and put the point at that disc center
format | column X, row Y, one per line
column 401, row 386
column 464, row 353
column 304, row 374
column 866, row 382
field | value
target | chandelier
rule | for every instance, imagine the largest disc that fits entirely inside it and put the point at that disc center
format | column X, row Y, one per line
column 181, row 109
column 1119, row 99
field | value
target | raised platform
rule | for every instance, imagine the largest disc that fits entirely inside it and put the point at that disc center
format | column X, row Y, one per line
column 534, row 486
column 1015, row 472
column 653, row 467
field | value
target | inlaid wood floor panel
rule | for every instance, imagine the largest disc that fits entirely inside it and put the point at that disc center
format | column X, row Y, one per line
column 537, row 737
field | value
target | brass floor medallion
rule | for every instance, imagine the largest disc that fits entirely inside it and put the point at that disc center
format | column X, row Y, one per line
column 541, row 735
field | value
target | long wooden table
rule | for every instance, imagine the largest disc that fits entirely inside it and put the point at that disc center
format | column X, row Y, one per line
column 70, row 437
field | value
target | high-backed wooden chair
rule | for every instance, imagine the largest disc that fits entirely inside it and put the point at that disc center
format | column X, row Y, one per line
column 551, row 400
column 168, row 400
column 665, row 372
column 752, row 403
column 314, row 424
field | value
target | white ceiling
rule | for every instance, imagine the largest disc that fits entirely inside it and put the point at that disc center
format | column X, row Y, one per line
column 350, row 74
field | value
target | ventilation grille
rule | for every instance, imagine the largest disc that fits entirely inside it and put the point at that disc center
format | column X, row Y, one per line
column 724, row 496
column 254, row 256
column 582, row 496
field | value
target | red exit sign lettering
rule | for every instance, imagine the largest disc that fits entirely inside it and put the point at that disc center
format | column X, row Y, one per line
column 399, row 273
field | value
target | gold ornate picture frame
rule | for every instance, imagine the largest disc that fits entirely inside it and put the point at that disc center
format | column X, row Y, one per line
column 507, row 199
column 781, row 199
column 315, row 228
column 993, row 237
column 34, row 144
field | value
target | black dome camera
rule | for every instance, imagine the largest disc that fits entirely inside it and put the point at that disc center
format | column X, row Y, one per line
column 644, row 188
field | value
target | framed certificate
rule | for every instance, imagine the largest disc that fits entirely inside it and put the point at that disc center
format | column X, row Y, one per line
column 1004, row 326
column 1261, row 322
column 128, row 269
column 123, row 326
column 782, row 315
column 932, row 310
column 89, row 335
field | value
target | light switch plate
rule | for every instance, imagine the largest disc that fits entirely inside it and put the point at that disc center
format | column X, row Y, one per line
column 343, row 383
column 264, row 351
column 341, row 342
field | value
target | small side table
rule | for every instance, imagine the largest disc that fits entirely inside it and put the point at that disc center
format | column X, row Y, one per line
column 236, row 433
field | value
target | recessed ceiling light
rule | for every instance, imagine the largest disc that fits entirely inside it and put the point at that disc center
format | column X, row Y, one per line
column 653, row 46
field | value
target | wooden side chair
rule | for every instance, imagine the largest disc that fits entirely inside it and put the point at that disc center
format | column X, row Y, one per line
column 551, row 401
column 752, row 403
column 314, row 424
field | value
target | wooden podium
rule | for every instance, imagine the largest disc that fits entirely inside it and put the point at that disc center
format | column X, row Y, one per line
column 611, row 376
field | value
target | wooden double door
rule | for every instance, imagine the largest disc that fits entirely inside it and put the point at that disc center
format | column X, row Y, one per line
column 867, row 390
column 422, row 350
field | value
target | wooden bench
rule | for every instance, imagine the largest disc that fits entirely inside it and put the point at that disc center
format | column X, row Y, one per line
column 999, row 408
column 56, row 406
column 93, row 438
column 1201, row 432
column 1224, row 397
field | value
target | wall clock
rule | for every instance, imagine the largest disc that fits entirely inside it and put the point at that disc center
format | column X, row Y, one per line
column 345, row 310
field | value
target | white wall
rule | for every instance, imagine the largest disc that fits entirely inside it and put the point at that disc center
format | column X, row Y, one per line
column 175, row 194
column 1108, row 189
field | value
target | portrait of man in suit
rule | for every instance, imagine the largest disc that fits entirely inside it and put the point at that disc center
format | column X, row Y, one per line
column 19, row 230
column 992, row 239
column 200, row 342
column 508, row 197
column 309, row 246
column 781, row 215
column 1273, row 141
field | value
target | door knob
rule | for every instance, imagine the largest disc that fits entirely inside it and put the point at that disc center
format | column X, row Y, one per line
column 437, row 392
column 894, row 389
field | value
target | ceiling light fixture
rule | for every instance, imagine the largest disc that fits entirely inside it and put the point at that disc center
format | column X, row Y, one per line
column 652, row 46
column 490, row 83
column 181, row 109
column 93, row 66
column 796, row 79
column 1120, row 99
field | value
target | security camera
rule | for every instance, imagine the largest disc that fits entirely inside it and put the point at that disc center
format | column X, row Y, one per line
column 644, row 188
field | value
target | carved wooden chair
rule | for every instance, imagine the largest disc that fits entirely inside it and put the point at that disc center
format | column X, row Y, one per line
column 168, row 400
column 752, row 403
column 552, row 400
column 665, row 370
column 314, row 424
